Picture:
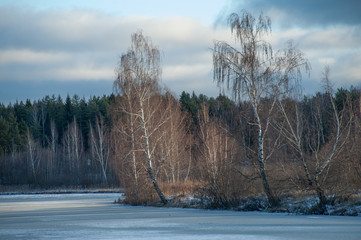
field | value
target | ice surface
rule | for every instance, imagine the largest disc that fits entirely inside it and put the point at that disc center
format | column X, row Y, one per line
column 94, row 216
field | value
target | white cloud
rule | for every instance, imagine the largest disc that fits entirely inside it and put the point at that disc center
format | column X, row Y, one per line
column 336, row 46
column 327, row 61
column 188, row 71
column 84, row 73
column 347, row 69
column 26, row 56
column 333, row 37
column 85, row 45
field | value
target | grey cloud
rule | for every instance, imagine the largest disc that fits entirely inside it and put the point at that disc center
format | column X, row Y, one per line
column 91, row 36
column 81, row 45
column 74, row 30
column 305, row 13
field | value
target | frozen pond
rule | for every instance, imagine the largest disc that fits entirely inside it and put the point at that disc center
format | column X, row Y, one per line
column 94, row 216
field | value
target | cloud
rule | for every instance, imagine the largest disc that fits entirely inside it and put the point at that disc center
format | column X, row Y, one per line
column 85, row 45
column 336, row 46
column 74, row 30
column 27, row 56
column 346, row 37
column 305, row 13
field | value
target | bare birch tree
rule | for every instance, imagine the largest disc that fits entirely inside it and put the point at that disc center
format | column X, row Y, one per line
column 253, row 73
column 321, row 155
column 100, row 144
column 33, row 155
column 125, row 127
column 172, row 146
column 73, row 148
column 217, row 149
column 138, row 75
column 52, row 141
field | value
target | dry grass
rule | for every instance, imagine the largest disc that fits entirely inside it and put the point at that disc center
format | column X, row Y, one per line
column 179, row 188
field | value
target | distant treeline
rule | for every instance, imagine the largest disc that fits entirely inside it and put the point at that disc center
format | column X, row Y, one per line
column 48, row 142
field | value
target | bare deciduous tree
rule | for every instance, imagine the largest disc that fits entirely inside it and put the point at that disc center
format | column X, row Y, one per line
column 217, row 149
column 253, row 72
column 100, row 143
column 315, row 154
column 125, row 128
column 138, row 76
column 73, row 148
column 33, row 155
column 172, row 144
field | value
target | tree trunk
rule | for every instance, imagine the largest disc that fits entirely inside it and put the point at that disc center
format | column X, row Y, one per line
column 272, row 200
column 148, row 156
column 132, row 139
column 135, row 173
column 32, row 152
column 321, row 197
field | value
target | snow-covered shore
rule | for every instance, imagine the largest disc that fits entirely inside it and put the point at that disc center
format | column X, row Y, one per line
column 303, row 205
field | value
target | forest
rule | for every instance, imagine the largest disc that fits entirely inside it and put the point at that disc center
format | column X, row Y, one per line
column 264, row 140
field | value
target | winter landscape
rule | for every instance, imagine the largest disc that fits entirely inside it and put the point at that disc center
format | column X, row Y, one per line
column 224, row 119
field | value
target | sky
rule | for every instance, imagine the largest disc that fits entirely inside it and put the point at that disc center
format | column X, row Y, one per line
column 73, row 47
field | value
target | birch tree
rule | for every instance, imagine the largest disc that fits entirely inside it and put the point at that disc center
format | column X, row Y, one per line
column 125, row 127
column 253, row 72
column 73, row 148
column 314, row 154
column 217, row 149
column 53, row 139
column 172, row 147
column 137, row 80
column 100, row 144
column 33, row 155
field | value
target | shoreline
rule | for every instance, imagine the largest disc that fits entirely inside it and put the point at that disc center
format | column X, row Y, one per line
column 300, row 206
column 62, row 191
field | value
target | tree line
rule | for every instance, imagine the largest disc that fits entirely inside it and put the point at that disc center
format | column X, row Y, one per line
column 54, row 142
column 266, row 140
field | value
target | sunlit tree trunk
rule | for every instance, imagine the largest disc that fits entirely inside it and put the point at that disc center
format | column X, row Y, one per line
column 148, row 154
